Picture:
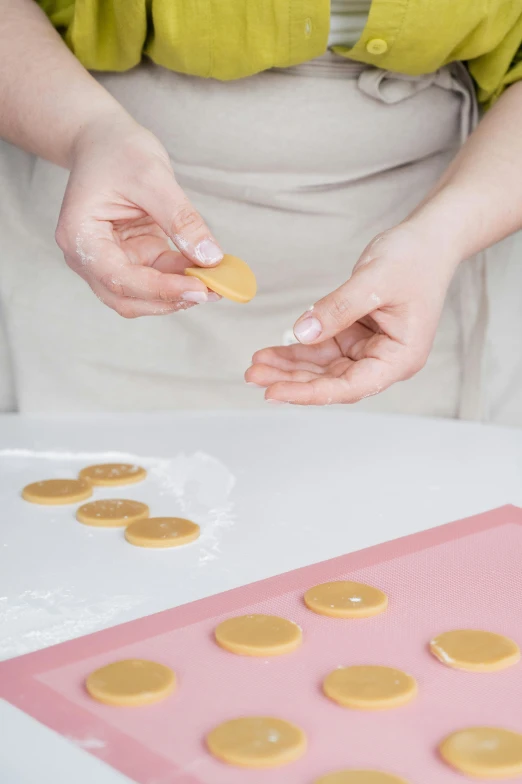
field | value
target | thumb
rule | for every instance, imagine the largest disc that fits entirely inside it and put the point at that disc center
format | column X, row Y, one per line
column 168, row 205
column 339, row 310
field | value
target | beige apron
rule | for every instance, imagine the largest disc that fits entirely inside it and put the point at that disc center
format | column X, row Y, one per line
column 295, row 170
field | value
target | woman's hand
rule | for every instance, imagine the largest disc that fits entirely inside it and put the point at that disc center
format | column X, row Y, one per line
column 122, row 204
column 379, row 327
column 121, row 207
column 376, row 329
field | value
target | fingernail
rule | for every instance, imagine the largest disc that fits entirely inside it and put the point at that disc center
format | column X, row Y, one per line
column 251, row 384
column 276, row 402
column 207, row 252
column 308, row 330
column 213, row 297
column 194, row 296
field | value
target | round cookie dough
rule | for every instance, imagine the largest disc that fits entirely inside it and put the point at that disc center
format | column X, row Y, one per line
column 131, row 682
column 360, row 777
column 370, row 687
column 346, row 599
column 53, row 492
column 113, row 474
column 474, row 650
column 484, row 752
column 259, row 635
column 112, row 512
column 232, row 278
column 162, row 532
column 257, row 742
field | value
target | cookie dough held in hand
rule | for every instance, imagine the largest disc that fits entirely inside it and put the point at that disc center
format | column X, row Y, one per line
column 232, row 279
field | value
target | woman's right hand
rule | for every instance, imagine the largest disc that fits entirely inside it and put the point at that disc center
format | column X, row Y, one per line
column 121, row 207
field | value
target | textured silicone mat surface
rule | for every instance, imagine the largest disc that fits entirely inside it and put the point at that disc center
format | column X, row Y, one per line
column 466, row 574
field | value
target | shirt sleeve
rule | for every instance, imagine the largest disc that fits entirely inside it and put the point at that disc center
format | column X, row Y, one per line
column 500, row 68
column 105, row 35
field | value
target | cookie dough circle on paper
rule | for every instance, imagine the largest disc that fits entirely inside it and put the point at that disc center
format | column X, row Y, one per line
column 258, row 635
column 113, row 474
column 370, row 687
column 346, row 599
column 112, row 512
column 475, row 651
column 55, row 492
column 131, row 683
column 232, row 278
column 162, row 532
column 484, row 752
column 257, row 742
column 360, row 777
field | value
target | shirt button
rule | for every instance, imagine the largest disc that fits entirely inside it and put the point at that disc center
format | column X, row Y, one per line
column 377, row 46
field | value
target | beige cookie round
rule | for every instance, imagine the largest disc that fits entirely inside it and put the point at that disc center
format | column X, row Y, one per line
column 484, row 752
column 346, row 599
column 53, row 492
column 162, row 532
column 232, row 278
column 259, row 635
column 475, row 651
column 360, row 777
column 131, row 683
column 113, row 474
column 257, row 742
column 112, row 512
column 370, row 687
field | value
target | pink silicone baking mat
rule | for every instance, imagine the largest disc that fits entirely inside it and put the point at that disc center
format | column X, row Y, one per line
column 466, row 574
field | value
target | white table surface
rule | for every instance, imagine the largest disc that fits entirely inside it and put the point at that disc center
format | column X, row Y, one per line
column 273, row 491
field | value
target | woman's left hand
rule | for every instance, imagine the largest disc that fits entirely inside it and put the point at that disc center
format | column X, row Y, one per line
column 376, row 329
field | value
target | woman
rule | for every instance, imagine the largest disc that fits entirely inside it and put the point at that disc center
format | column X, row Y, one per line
column 318, row 133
